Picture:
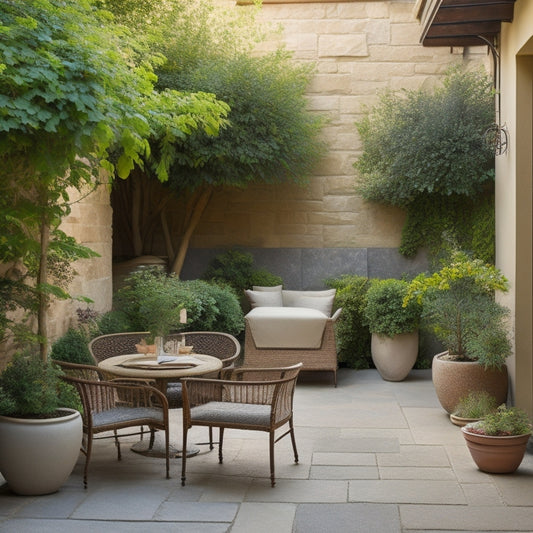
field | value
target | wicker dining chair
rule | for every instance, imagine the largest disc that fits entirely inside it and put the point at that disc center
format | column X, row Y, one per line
column 106, row 346
column 256, row 399
column 217, row 344
column 113, row 405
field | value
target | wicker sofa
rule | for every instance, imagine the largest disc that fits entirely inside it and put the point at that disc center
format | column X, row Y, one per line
column 288, row 327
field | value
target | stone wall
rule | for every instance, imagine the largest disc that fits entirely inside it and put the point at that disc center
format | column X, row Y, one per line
column 360, row 48
column 90, row 224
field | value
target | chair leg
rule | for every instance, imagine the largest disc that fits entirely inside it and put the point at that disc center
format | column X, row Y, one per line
column 184, row 456
column 272, row 474
column 220, row 441
column 117, row 444
column 211, row 438
column 293, row 439
column 152, row 439
column 167, row 451
column 88, row 450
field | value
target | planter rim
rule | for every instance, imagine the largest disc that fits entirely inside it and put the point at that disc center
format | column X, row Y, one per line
column 69, row 414
column 440, row 356
column 464, row 429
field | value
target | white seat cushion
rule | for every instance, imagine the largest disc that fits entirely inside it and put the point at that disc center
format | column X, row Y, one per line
column 286, row 327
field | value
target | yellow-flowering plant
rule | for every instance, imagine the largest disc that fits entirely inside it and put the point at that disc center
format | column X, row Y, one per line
column 459, row 307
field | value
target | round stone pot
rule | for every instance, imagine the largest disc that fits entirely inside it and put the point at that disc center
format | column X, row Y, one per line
column 453, row 380
column 496, row 455
column 38, row 455
column 394, row 357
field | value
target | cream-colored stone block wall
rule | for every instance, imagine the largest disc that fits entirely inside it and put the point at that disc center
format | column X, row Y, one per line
column 90, row 223
column 359, row 48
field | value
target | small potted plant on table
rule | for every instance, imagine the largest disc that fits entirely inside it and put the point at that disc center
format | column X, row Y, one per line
column 394, row 328
column 497, row 443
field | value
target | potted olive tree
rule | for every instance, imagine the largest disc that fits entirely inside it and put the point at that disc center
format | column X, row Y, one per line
column 497, row 443
column 394, row 328
column 460, row 309
column 40, row 426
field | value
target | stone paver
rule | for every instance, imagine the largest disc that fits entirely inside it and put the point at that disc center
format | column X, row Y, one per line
column 405, row 470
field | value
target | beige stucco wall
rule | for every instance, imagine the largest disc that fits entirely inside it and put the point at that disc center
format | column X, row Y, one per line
column 514, row 174
column 359, row 48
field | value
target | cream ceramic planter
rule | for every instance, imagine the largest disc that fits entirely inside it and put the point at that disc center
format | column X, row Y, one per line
column 394, row 357
column 38, row 455
column 453, row 380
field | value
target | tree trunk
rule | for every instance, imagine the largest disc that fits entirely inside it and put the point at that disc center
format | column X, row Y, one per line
column 136, row 214
column 191, row 225
column 42, row 278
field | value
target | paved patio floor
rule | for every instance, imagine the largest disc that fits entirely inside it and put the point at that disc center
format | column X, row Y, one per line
column 375, row 456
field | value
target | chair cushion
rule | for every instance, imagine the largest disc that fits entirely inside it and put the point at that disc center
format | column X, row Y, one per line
column 126, row 414
column 319, row 300
column 264, row 298
column 276, row 288
column 232, row 413
column 287, row 327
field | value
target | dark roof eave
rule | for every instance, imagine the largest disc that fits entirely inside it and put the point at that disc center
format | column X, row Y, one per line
column 460, row 22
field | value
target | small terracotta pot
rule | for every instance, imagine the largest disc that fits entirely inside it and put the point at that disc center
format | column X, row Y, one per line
column 461, row 421
column 496, row 455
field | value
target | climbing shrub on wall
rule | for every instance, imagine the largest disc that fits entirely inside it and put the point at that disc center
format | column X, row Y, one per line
column 426, row 152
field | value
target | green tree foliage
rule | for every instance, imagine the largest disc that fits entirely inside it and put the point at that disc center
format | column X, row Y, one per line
column 271, row 137
column 74, row 86
column 426, row 152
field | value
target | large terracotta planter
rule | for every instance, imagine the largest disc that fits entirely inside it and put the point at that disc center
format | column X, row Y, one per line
column 455, row 379
column 38, row 455
column 496, row 455
column 394, row 357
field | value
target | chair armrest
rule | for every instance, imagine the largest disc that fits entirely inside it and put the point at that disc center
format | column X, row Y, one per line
column 336, row 314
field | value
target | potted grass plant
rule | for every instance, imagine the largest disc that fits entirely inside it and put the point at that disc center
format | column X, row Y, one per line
column 473, row 407
column 497, row 443
column 40, row 426
column 459, row 308
column 394, row 328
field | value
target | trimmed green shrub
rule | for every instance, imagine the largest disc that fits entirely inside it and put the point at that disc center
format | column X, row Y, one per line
column 385, row 312
column 112, row 322
column 236, row 269
column 152, row 301
column 72, row 347
column 352, row 334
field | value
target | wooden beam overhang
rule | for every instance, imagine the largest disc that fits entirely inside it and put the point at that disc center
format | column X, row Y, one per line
column 463, row 22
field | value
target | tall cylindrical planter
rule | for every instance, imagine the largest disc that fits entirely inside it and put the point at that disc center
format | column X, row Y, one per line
column 394, row 357
column 453, row 380
column 38, row 455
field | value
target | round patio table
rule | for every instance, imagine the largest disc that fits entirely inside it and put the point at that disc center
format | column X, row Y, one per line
column 142, row 366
